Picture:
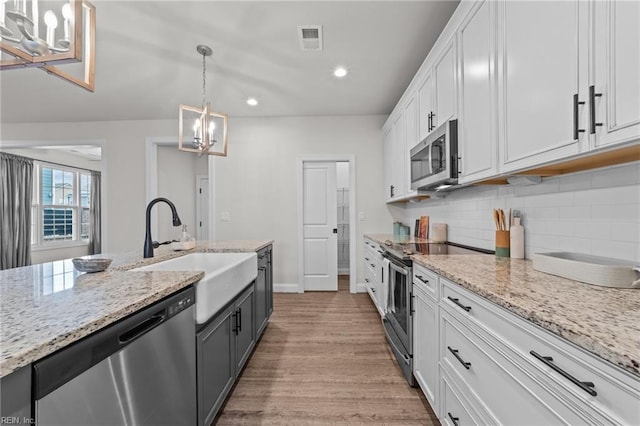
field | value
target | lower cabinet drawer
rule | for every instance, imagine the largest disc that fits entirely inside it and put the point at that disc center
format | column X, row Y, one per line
column 506, row 393
column 454, row 411
column 614, row 397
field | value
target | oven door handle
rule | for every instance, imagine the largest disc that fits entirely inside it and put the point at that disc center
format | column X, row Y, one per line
column 397, row 269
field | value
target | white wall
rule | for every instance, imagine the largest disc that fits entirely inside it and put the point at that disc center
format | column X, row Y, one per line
column 257, row 184
column 177, row 172
column 595, row 212
column 342, row 175
column 123, row 174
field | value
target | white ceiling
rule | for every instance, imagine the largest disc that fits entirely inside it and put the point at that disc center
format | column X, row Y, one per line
column 147, row 63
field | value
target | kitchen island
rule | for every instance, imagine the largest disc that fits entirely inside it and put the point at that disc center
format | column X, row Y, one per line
column 45, row 308
column 48, row 306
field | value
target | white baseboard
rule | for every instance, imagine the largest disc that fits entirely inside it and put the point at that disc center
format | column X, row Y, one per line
column 285, row 288
column 293, row 288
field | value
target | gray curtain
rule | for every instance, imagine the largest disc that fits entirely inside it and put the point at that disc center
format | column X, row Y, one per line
column 95, row 243
column 16, row 190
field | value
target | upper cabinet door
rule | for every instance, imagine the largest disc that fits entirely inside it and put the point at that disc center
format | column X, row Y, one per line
column 411, row 138
column 477, row 124
column 541, row 46
column 616, row 72
column 388, row 159
column 399, row 153
column 425, row 107
column 445, row 94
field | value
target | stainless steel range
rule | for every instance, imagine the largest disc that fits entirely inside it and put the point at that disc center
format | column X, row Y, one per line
column 398, row 319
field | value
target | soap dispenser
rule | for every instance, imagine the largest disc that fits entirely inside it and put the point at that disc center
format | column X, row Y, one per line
column 516, row 236
column 184, row 237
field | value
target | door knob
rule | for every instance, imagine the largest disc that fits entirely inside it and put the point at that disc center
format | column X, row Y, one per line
column 335, row 230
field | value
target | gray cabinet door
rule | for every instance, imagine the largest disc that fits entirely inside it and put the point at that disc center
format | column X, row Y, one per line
column 216, row 364
column 245, row 327
column 261, row 299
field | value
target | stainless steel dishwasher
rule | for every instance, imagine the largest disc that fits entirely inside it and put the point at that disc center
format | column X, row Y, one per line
column 138, row 371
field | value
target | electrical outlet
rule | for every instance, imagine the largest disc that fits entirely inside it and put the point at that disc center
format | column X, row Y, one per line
column 361, row 216
column 225, row 216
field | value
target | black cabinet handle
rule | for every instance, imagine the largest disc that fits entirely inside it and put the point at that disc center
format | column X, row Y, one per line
column 588, row 387
column 235, row 322
column 576, row 127
column 421, row 278
column 411, row 304
column 458, row 164
column 366, row 258
column 239, row 319
column 366, row 279
column 592, row 109
column 372, row 265
column 373, row 290
column 454, row 420
column 466, row 365
column 392, row 190
column 457, row 302
column 380, row 251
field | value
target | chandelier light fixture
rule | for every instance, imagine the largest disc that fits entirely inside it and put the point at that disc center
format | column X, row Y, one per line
column 48, row 33
column 201, row 130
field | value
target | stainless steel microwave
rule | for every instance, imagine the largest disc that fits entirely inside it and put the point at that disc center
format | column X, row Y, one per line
column 434, row 161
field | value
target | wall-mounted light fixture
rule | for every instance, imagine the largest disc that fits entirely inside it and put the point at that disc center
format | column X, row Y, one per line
column 60, row 33
column 200, row 129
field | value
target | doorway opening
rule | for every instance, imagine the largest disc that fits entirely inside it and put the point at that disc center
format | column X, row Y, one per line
column 326, row 209
column 342, row 198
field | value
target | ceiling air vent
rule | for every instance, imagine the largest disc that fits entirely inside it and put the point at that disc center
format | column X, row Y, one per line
column 310, row 37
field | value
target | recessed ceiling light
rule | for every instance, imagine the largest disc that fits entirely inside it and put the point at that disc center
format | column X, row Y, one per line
column 252, row 101
column 340, row 72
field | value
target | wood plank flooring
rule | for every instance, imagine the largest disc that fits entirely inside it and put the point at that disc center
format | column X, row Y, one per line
column 323, row 359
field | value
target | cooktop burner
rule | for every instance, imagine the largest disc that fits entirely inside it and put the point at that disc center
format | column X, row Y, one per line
column 404, row 251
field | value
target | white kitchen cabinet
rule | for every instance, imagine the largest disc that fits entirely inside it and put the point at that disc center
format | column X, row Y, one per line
column 387, row 148
column 511, row 367
column 436, row 93
column 425, row 106
column 374, row 273
column 477, row 132
column 616, row 72
column 425, row 334
column 445, row 88
column 399, row 152
column 542, row 51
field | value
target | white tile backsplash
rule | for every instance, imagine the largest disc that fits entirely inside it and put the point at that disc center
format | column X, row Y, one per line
column 594, row 212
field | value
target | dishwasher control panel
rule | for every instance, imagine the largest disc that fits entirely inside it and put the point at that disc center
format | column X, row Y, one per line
column 179, row 306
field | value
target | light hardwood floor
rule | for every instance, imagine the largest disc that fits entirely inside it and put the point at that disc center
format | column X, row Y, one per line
column 323, row 359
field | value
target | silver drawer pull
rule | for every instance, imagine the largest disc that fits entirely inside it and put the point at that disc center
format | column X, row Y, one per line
column 588, row 387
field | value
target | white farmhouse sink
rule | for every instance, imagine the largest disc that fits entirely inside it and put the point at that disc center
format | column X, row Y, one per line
column 225, row 275
column 602, row 271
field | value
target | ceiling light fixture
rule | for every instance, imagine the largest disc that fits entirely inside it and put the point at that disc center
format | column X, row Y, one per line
column 207, row 126
column 73, row 41
column 252, row 102
column 340, row 72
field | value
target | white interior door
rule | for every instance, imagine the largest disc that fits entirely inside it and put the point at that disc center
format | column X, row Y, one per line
column 202, row 208
column 320, row 243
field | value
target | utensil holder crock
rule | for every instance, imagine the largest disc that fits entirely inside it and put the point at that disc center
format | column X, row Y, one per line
column 502, row 244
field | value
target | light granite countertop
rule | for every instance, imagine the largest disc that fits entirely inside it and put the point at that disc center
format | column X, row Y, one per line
column 601, row 320
column 48, row 306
